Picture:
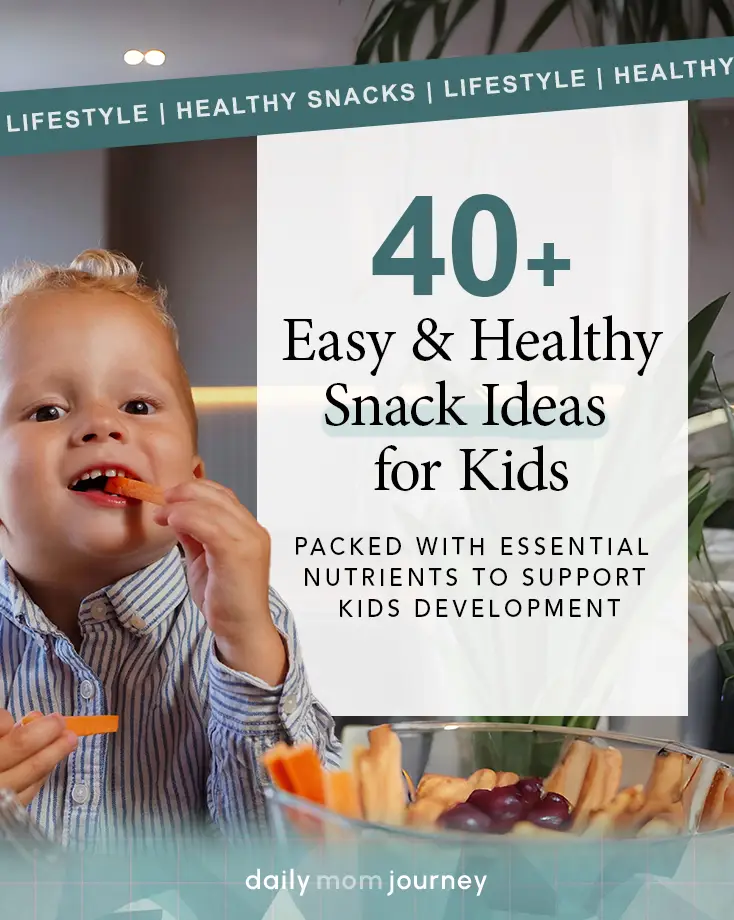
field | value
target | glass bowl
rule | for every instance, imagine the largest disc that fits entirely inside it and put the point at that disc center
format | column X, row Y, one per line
column 459, row 748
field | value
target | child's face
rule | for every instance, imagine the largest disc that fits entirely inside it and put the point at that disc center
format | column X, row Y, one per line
column 88, row 381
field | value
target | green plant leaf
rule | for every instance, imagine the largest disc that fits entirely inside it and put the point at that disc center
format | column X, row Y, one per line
column 698, row 377
column 699, row 148
column 440, row 12
column 722, row 12
column 645, row 10
column 627, row 33
column 698, row 483
column 676, row 26
column 372, row 36
column 498, row 20
column 696, row 17
column 659, row 22
column 582, row 721
column 700, row 326
column 408, row 28
column 725, row 405
column 725, row 654
column 543, row 23
column 388, row 44
column 706, row 494
column 464, row 8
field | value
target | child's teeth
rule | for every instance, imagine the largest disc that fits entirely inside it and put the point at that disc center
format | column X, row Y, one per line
column 110, row 473
column 74, row 483
column 95, row 474
column 85, row 476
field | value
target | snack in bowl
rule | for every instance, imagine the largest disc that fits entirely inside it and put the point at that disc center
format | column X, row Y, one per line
column 582, row 796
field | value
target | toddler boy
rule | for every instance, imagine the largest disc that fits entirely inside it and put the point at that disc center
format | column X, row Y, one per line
column 163, row 616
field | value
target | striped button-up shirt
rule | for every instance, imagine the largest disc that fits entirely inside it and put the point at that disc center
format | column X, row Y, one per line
column 191, row 730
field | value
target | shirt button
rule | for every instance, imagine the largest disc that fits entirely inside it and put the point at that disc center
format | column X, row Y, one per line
column 86, row 688
column 99, row 610
column 80, row 793
column 289, row 705
column 137, row 623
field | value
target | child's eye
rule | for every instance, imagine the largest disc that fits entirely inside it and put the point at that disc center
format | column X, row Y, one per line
column 48, row 414
column 139, row 407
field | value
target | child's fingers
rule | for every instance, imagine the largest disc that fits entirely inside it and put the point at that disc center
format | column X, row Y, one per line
column 197, row 522
column 36, row 768
column 7, row 722
column 215, row 495
column 212, row 530
column 26, row 741
column 27, row 795
column 227, row 514
column 202, row 487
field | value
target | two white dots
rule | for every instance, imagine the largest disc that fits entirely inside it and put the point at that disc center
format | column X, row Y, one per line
column 153, row 57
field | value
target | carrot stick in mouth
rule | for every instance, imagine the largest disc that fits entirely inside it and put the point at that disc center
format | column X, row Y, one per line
column 132, row 488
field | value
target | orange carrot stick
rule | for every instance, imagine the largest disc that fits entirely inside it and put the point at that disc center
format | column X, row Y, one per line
column 83, row 725
column 92, row 725
column 304, row 770
column 272, row 760
column 132, row 488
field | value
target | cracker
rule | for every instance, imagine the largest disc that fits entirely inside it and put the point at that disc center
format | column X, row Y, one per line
column 483, row 779
column 527, row 830
column 507, row 779
column 424, row 813
column 666, row 823
column 726, row 818
column 714, row 805
column 380, row 777
column 663, row 794
column 567, row 778
column 427, row 781
column 449, row 789
column 340, row 794
column 593, row 790
column 667, row 778
column 614, row 763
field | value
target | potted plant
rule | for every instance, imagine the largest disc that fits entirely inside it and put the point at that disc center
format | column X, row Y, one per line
column 708, row 490
column 393, row 25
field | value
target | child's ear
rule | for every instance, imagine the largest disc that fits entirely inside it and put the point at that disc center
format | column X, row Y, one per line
column 199, row 471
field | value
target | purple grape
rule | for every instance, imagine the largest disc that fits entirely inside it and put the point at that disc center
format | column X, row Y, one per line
column 465, row 817
column 558, row 799
column 550, row 812
column 530, row 790
column 502, row 805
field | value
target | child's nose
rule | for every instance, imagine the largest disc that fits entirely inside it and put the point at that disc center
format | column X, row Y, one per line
column 99, row 436
column 99, row 425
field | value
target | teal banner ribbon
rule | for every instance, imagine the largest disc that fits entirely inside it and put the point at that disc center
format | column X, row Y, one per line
column 129, row 114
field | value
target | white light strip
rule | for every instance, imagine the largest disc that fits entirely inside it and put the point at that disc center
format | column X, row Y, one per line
column 707, row 420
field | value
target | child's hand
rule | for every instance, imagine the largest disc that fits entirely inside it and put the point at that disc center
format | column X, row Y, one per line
column 28, row 753
column 228, row 564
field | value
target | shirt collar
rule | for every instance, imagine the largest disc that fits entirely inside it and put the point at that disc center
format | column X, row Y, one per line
column 140, row 601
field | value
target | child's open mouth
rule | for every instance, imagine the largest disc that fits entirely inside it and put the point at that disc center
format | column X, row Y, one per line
column 93, row 483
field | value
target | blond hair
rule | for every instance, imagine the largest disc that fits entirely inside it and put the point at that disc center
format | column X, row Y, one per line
column 95, row 270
